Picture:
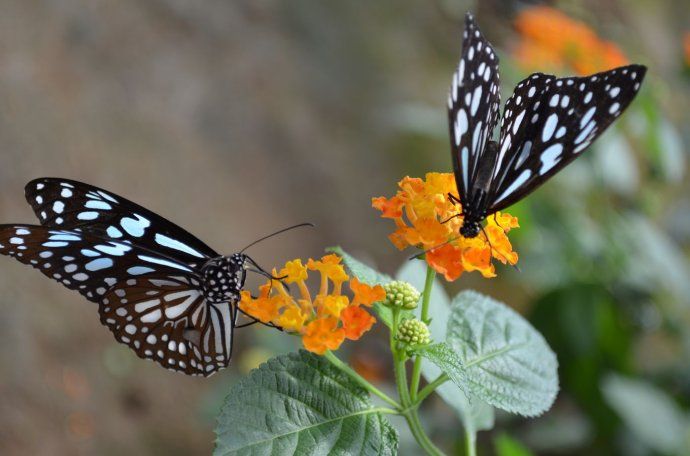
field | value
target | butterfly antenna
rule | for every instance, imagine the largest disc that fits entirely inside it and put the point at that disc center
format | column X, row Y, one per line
column 276, row 233
column 420, row 254
column 261, row 271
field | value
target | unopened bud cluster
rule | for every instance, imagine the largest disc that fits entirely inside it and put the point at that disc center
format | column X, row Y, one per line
column 414, row 332
column 401, row 295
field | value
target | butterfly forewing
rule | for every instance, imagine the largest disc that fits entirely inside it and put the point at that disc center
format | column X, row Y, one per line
column 67, row 204
column 519, row 124
column 473, row 105
column 84, row 261
column 166, row 319
column 543, row 133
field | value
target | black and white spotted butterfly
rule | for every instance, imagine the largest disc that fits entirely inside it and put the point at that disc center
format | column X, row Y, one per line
column 160, row 290
column 547, row 123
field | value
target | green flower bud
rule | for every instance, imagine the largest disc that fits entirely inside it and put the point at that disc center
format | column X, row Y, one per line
column 414, row 332
column 401, row 294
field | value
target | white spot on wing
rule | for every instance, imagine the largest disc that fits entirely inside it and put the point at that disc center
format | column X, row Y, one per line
column 588, row 115
column 549, row 127
column 522, row 178
column 550, row 157
column 135, row 227
column 177, row 245
column 163, row 262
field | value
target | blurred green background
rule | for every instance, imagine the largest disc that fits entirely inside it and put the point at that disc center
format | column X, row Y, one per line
column 234, row 119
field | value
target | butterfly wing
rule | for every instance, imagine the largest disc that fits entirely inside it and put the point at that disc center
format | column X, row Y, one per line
column 544, row 132
column 83, row 261
column 163, row 318
column 473, row 105
column 67, row 204
column 150, row 302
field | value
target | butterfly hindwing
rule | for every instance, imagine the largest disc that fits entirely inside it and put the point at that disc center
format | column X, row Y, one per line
column 166, row 319
column 473, row 105
column 67, row 204
column 519, row 123
column 544, row 133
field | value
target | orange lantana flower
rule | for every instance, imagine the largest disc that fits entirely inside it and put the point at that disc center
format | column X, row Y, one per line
column 686, row 47
column 552, row 41
column 324, row 321
column 356, row 321
column 418, row 210
column 323, row 334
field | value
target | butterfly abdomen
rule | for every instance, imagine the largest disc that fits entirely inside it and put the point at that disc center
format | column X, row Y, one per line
column 475, row 208
column 486, row 168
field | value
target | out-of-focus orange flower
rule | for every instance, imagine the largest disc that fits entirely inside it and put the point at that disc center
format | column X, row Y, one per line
column 324, row 321
column 552, row 41
column 686, row 47
column 368, row 365
column 418, row 210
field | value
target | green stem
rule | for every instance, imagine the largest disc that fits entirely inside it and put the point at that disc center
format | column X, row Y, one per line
column 418, row 432
column 426, row 296
column 431, row 387
column 470, row 442
column 409, row 410
column 359, row 379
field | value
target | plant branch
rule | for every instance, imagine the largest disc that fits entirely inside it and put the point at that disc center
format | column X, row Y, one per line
column 470, row 441
column 426, row 296
column 409, row 411
column 431, row 387
column 420, row 436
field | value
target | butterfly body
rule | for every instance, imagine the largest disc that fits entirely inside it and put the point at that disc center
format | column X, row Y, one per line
column 546, row 124
column 223, row 278
column 160, row 290
column 476, row 209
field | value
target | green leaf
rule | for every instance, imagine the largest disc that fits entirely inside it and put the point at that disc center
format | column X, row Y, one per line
column 505, row 445
column 476, row 415
column 298, row 404
column 504, row 360
column 364, row 273
column 649, row 413
column 370, row 276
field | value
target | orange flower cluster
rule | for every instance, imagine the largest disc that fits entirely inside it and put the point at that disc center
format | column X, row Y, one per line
column 686, row 47
column 418, row 209
column 552, row 41
column 325, row 321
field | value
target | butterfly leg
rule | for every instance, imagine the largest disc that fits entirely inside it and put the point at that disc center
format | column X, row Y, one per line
column 491, row 249
column 244, row 325
column 454, row 199
column 255, row 321
column 450, row 218
column 498, row 224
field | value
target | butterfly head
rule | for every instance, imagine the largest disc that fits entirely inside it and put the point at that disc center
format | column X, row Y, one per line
column 470, row 228
column 223, row 277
